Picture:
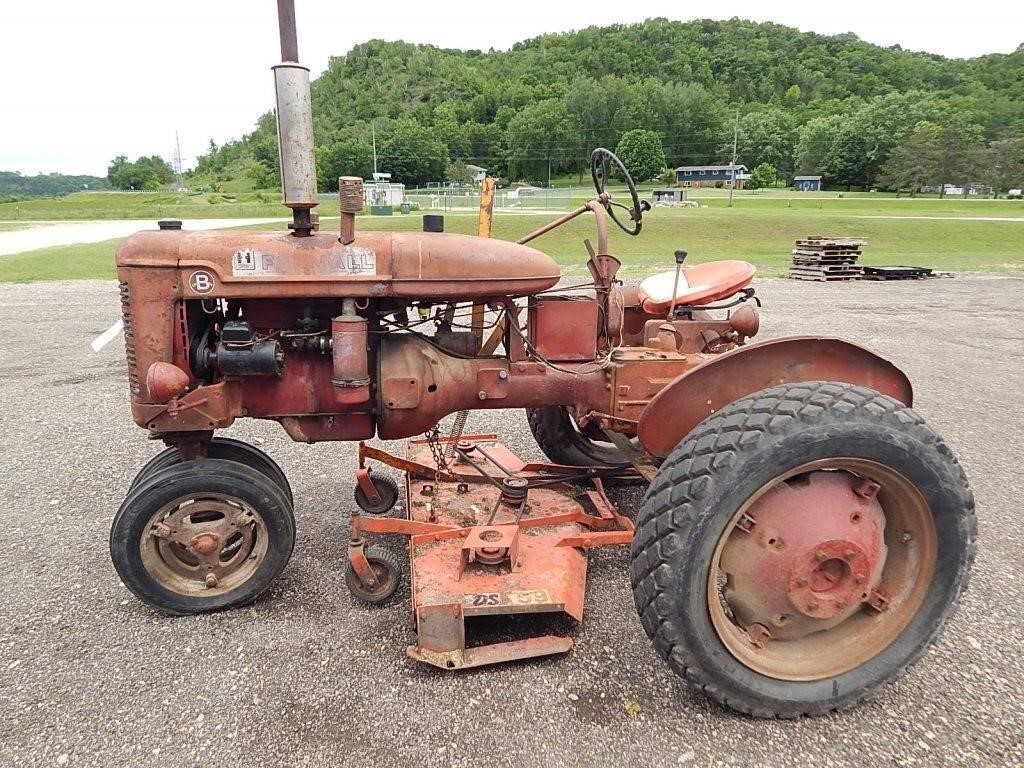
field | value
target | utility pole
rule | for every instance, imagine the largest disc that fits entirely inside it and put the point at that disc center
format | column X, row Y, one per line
column 177, row 162
column 373, row 127
column 732, row 168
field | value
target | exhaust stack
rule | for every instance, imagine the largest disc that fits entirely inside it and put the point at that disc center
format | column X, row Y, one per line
column 294, row 126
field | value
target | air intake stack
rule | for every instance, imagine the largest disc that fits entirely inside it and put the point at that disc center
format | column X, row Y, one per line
column 294, row 126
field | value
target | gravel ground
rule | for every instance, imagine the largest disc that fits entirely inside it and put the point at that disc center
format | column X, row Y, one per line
column 90, row 676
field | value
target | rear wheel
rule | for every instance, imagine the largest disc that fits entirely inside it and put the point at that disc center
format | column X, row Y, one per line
column 202, row 536
column 802, row 547
column 561, row 440
column 224, row 448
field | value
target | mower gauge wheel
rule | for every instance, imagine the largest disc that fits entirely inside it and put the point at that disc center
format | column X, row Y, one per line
column 387, row 569
column 602, row 161
column 387, row 489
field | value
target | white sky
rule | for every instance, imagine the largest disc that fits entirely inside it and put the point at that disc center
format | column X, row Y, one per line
column 83, row 81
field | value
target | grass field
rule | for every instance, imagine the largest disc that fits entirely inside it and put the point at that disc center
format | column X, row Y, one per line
column 156, row 205
column 759, row 233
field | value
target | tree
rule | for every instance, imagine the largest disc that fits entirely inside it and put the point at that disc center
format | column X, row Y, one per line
column 814, row 141
column 640, row 151
column 458, row 173
column 764, row 175
column 138, row 175
column 412, row 153
column 538, row 139
column 915, row 163
column 1001, row 165
column 767, row 136
column 349, row 154
column 959, row 139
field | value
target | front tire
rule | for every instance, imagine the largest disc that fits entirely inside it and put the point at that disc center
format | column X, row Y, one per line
column 819, row 444
column 201, row 536
column 225, row 448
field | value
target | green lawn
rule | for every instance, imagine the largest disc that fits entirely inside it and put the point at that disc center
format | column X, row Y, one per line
column 143, row 205
column 752, row 230
column 66, row 262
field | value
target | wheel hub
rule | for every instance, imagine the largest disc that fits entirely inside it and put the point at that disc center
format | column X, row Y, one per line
column 806, row 556
column 205, row 543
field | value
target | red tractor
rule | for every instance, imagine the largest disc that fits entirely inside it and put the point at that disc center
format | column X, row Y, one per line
column 804, row 537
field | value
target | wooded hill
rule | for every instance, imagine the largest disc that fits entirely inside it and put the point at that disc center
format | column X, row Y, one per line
column 807, row 103
column 15, row 186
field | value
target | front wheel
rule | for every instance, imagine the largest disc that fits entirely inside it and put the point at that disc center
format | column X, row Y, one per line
column 224, row 448
column 801, row 548
column 202, row 536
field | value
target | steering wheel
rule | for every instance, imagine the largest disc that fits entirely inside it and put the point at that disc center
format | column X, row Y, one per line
column 601, row 162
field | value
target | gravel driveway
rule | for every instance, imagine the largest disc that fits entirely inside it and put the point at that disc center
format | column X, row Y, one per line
column 89, row 676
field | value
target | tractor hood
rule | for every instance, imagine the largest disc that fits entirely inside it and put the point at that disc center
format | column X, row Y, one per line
column 419, row 265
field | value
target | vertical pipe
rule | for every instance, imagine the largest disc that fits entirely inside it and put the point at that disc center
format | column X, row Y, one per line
column 294, row 126
column 286, row 25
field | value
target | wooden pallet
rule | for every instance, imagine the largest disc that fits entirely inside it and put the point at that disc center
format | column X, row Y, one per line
column 896, row 273
column 835, row 268
column 821, row 240
column 823, row 278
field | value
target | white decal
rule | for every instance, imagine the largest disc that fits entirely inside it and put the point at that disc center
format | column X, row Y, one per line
column 357, row 261
column 201, row 281
column 107, row 336
column 350, row 260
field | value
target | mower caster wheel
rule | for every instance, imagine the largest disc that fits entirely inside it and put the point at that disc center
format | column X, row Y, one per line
column 224, row 448
column 386, row 567
column 201, row 536
column 386, row 487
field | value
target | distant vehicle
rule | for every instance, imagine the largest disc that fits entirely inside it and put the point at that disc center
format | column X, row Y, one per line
column 1015, row 194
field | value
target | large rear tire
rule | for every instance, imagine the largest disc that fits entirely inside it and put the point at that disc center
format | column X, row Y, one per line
column 878, row 489
column 562, row 442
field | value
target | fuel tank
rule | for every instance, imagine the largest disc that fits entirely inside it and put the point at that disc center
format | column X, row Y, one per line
column 415, row 265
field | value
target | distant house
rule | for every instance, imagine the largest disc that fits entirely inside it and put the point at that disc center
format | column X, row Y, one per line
column 711, row 175
column 807, row 183
column 479, row 174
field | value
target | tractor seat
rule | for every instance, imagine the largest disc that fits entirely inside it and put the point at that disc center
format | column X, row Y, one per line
column 699, row 284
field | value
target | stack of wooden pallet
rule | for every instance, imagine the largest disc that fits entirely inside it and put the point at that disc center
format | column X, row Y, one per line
column 827, row 258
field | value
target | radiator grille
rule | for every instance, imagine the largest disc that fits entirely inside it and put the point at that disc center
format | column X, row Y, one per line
column 129, row 339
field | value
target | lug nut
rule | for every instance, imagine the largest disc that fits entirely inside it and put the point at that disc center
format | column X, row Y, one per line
column 211, row 580
column 821, row 556
column 849, row 554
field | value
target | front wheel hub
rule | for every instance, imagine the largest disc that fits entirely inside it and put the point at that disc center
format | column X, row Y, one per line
column 807, row 556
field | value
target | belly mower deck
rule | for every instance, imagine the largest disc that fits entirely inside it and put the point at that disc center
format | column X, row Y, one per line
column 488, row 535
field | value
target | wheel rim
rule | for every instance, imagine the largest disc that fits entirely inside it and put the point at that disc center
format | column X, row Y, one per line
column 204, row 544
column 821, row 569
column 385, row 581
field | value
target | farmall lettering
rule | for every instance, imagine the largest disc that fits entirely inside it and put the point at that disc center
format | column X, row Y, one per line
column 805, row 535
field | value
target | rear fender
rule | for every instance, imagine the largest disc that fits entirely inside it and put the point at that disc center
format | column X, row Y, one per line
column 693, row 396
